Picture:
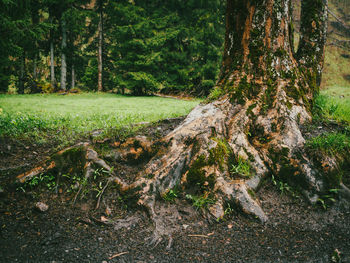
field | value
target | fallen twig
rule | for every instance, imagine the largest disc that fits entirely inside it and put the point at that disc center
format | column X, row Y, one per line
column 118, row 255
column 99, row 197
column 198, row 236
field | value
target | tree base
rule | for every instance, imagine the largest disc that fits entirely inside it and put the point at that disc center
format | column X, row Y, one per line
column 216, row 158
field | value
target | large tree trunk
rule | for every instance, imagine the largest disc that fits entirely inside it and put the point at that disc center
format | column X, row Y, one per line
column 223, row 149
column 63, row 58
column 266, row 96
column 100, row 43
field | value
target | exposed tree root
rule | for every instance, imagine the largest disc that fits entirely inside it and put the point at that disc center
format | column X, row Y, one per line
column 221, row 152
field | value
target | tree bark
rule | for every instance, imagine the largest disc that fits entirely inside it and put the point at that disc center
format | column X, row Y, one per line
column 35, row 59
column 100, row 44
column 313, row 33
column 73, row 78
column 22, row 74
column 52, row 57
column 63, row 58
column 52, row 65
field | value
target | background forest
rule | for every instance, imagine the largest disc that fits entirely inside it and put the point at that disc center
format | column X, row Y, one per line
column 130, row 46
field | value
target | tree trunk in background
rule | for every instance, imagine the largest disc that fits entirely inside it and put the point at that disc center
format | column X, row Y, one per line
column 100, row 43
column 21, row 74
column 35, row 61
column 73, row 78
column 52, row 65
column 63, row 58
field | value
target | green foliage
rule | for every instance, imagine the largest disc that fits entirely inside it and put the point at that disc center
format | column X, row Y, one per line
column 219, row 154
column 173, row 46
column 241, row 167
column 200, row 202
column 284, row 187
column 328, row 199
column 47, row 180
column 330, row 143
column 170, row 194
column 333, row 104
column 216, row 93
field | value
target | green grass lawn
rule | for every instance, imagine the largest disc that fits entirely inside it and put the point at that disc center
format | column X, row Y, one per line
column 38, row 116
column 335, row 103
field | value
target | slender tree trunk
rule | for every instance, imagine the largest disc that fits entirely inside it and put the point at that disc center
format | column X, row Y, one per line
column 52, row 55
column 52, row 65
column 100, row 44
column 63, row 58
column 22, row 74
column 35, row 66
column 73, row 78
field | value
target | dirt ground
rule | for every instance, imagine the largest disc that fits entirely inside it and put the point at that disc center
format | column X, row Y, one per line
column 67, row 232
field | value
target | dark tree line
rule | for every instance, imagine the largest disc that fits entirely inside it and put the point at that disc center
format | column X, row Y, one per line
column 138, row 47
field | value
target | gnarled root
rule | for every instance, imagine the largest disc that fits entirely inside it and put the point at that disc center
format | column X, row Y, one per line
column 205, row 155
column 218, row 155
column 78, row 158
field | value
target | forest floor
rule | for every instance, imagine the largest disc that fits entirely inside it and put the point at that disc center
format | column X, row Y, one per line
column 295, row 232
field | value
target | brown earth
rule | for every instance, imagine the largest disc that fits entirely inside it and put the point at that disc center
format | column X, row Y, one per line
column 67, row 232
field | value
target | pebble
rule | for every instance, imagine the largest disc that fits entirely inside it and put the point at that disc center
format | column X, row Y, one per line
column 42, row 207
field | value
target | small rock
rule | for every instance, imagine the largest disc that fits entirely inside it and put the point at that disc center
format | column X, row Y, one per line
column 9, row 147
column 42, row 207
column 108, row 211
column 96, row 133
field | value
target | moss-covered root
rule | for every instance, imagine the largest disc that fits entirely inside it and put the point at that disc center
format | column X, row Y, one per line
column 80, row 159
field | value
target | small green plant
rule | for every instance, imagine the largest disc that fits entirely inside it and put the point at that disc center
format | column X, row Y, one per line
column 284, row 187
column 200, row 202
column 330, row 143
column 327, row 199
column 46, row 179
column 242, row 168
column 215, row 94
column 336, row 256
column 170, row 195
column 228, row 210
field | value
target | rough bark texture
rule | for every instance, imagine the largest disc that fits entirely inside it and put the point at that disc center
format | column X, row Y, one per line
column 63, row 57
column 223, row 149
column 313, row 31
column 52, row 60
